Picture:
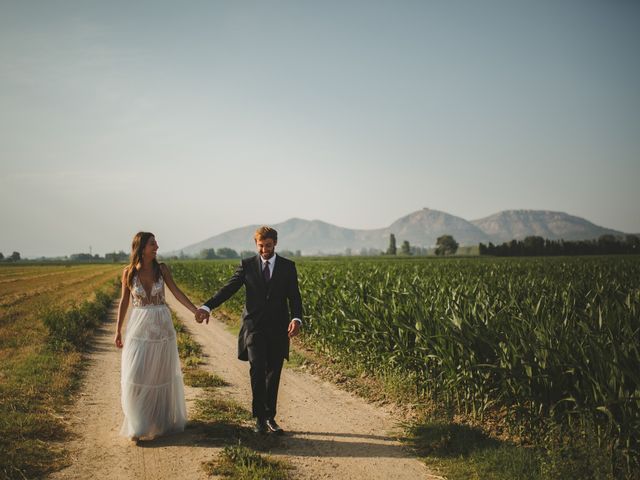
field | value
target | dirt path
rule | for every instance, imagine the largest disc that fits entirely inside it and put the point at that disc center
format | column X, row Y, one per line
column 331, row 433
column 99, row 452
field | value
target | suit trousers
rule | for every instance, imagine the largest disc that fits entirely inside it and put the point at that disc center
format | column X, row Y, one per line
column 265, row 368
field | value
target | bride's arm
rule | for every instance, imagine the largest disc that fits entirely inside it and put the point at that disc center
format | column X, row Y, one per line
column 181, row 297
column 122, row 308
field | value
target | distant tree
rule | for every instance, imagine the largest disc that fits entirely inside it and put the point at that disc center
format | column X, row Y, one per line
column 608, row 243
column 286, row 253
column 247, row 253
column 406, row 248
column 208, row 253
column 81, row 257
column 348, row 252
column 446, row 245
column 298, row 253
column 533, row 245
column 632, row 241
column 226, row 252
column 1, row 256
column 15, row 256
column 392, row 250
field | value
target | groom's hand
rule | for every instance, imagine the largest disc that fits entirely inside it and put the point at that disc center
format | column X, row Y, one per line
column 294, row 328
column 201, row 315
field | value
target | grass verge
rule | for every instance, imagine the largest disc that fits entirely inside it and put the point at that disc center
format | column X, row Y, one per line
column 462, row 452
column 42, row 346
column 242, row 463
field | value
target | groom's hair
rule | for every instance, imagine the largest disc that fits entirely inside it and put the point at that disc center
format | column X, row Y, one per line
column 265, row 232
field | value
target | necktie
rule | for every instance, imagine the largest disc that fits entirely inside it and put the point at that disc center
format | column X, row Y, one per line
column 266, row 272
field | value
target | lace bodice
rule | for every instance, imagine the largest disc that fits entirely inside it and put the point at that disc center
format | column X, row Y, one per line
column 139, row 294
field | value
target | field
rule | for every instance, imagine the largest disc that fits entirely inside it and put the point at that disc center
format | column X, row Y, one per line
column 545, row 349
column 539, row 345
column 37, row 375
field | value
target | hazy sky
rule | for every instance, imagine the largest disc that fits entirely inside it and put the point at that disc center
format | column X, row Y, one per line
column 191, row 118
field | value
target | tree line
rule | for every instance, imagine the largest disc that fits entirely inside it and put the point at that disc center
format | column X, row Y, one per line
column 14, row 257
column 445, row 245
column 115, row 257
column 535, row 245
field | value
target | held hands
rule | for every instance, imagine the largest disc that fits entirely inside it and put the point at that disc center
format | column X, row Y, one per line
column 294, row 328
column 201, row 315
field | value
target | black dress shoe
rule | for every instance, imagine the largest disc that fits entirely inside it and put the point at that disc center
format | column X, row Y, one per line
column 274, row 427
column 261, row 426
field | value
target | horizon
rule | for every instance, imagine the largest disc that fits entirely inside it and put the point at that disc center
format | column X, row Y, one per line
column 164, row 252
column 102, row 254
column 190, row 121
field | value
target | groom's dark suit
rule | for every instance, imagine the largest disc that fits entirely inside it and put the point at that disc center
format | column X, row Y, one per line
column 263, row 339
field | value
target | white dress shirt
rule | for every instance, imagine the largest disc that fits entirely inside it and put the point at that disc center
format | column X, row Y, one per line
column 272, row 262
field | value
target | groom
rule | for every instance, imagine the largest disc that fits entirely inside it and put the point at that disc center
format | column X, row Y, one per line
column 272, row 299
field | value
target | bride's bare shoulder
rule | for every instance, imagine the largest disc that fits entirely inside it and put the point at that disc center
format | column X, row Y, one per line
column 125, row 273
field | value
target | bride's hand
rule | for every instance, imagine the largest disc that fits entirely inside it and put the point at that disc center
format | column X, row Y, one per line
column 201, row 315
column 118, row 340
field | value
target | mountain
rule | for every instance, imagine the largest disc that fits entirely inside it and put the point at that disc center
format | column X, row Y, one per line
column 509, row 224
column 295, row 234
column 420, row 228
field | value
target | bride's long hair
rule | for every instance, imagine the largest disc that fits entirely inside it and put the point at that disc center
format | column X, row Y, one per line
column 140, row 241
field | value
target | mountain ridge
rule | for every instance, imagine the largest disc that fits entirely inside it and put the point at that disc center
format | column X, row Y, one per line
column 421, row 228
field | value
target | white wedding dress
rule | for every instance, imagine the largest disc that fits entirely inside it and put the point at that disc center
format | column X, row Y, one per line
column 152, row 387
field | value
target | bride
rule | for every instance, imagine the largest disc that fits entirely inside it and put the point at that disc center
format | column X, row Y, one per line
column 152, row 389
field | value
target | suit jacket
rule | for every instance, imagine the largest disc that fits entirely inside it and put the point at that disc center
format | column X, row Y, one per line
column 268, row 308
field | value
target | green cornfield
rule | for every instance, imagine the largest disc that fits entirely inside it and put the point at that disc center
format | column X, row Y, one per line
column 536, row 339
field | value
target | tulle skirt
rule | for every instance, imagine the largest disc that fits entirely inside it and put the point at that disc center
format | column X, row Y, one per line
column 152, row 387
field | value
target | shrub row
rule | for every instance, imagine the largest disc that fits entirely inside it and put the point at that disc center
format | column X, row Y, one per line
column 71, row 328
